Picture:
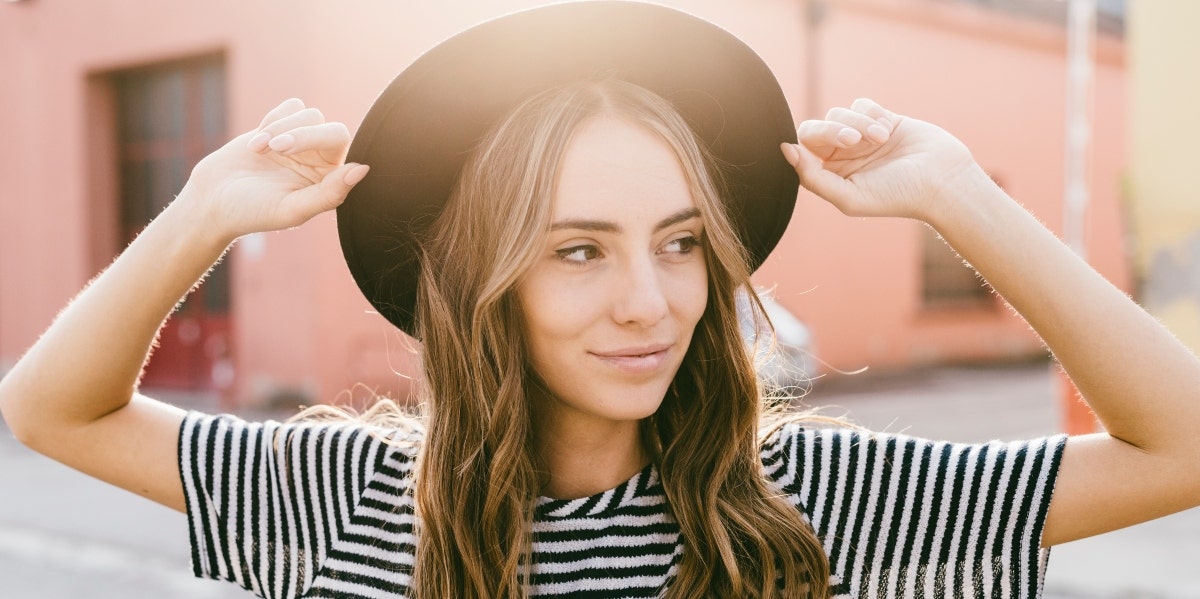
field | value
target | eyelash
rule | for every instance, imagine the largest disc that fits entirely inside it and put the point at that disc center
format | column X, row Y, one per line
column 687, row 245
column 565, row 252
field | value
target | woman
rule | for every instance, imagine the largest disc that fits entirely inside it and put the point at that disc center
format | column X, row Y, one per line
column 592, row 424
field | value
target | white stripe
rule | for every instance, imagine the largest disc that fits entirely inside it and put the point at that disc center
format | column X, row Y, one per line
column 870, row 586
column 994, row 528
column 851, row 555
column 957, row 532
column 229, row 493
column 245, row 468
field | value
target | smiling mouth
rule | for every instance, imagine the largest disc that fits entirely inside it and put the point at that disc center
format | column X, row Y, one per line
column 634, row 352
column 636, row 360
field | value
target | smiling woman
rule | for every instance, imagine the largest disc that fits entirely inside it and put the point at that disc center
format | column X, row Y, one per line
column 570, row 247
column 614, row 250
column 610, row 309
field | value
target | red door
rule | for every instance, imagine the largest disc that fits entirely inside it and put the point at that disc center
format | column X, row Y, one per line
column 171, row 116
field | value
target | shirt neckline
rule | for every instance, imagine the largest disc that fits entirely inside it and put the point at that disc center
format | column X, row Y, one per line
column 605, row 502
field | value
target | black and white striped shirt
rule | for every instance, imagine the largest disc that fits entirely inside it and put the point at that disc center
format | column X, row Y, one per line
column 325, row 510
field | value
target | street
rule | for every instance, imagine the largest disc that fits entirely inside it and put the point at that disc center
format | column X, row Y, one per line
column 64, row 535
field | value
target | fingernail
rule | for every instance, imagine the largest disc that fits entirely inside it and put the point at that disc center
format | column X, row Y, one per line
column 790, row 153
column 356, row 174
column 258, row 143
column 878, row 133
column 849, row 136
column 282, row 143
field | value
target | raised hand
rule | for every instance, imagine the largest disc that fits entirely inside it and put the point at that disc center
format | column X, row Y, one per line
column 277, row 176
column 869, row 161
column 76, row 388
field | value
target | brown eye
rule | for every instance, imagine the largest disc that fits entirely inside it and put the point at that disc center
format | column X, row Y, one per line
column 682, row 245
column 579, row 254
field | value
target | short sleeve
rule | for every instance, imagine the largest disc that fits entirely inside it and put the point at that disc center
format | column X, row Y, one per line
column 265, row 501
column 907, row 517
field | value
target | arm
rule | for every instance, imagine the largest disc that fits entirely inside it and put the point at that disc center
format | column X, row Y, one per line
column 73, row 396
column 1147, row 464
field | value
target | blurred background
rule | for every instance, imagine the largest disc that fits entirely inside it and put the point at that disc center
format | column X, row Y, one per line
column 1083, row 111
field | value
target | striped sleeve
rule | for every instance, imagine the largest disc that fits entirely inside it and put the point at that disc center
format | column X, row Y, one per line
column 265, row 501
column 907, row 517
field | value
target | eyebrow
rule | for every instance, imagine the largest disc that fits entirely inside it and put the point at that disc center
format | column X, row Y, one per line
column 611, row 227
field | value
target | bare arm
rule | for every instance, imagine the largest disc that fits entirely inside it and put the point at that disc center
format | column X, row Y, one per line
column 73, row 396
column 1141, row 382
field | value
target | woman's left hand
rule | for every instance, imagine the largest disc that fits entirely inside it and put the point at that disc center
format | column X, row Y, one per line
column 869, row 161
column 1137, row 377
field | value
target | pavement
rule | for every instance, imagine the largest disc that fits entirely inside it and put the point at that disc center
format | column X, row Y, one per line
column 64, row 535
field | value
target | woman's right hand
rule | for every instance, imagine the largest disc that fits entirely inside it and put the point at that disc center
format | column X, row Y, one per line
column 274, row 177
column 73, row 396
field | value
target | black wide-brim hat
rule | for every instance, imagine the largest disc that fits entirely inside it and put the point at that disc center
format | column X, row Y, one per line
column 419, row 132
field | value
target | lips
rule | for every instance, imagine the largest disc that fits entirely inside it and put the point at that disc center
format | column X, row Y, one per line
column 636, row 360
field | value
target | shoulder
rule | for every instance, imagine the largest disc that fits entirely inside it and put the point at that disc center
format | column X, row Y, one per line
column 224, row 436
column 794, row 451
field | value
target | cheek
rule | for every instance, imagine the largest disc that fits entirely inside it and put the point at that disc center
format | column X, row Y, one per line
column 552, row 311
column 689, row 289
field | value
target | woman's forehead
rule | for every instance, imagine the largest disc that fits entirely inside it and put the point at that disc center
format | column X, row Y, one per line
column 615, row 169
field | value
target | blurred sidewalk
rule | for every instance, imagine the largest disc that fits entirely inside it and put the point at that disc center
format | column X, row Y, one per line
column 1156, row 560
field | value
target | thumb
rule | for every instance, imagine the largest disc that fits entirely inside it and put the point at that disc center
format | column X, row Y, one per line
column 303, row 204
column 814, row 177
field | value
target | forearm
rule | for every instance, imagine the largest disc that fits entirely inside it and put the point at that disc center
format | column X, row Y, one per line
column 87, row 364
column 1138, row 378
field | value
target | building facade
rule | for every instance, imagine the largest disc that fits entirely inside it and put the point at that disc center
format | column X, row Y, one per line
column 105, row 105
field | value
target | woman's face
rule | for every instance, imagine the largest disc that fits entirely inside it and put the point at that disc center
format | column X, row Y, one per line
column 611, row 303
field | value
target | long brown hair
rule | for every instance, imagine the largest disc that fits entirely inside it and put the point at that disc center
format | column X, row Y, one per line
column 477, row 478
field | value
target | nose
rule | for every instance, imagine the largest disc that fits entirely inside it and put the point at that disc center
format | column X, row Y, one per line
column 639, row 297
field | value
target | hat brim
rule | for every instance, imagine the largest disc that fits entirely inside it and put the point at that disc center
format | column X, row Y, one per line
column 418, row 133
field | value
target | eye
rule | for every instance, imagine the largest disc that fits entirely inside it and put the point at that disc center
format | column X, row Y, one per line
column 578, row 254
column 682, row 246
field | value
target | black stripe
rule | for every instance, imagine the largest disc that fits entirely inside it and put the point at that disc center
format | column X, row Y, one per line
column 829, row 480
column 221, row 490
column 989, row 499
column 813, row 445
column 845, row 507
column 961, row 534
column 193, row 491
column 876, row 523
column 1019, row 541
column 935, row 507
column 907, row 456
column 870, row 446
column 1046, row 492
column 212, row 476
column 255, row 454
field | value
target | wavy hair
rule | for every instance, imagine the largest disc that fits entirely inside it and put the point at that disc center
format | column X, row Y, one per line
column 477, row 477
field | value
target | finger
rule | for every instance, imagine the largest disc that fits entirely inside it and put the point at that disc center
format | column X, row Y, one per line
column 814, row 177
column 824, row 137
column 324, row 138
column 288, row 106
column 874, row 110
column 302, row 118
column 866, row 125
column 329, row 193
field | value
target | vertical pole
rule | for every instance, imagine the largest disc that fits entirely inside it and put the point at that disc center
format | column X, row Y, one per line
column 814, row 13
column 1081, row 31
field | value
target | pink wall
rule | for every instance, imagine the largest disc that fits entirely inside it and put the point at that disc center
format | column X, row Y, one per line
column 301, row 324
column 998, row 84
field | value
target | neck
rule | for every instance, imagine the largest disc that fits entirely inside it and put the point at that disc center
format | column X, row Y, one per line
column 584, row 457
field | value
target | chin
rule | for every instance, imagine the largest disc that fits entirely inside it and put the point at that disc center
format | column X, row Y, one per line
column 637, row 405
